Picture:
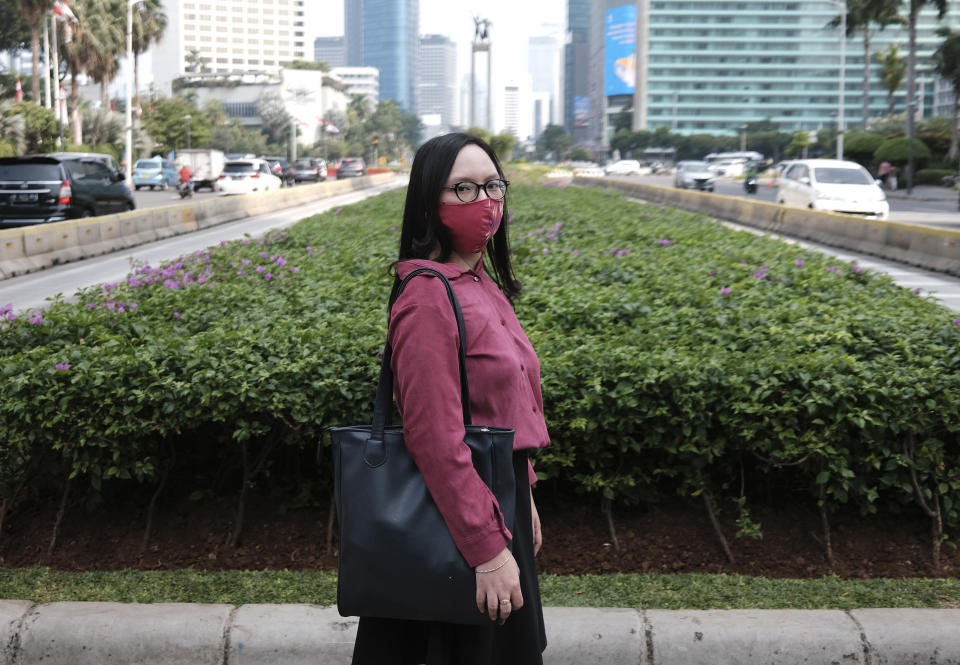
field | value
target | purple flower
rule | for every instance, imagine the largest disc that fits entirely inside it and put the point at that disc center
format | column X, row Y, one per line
column 36, row 319
column 62, row 367
column 725, row 291
column 176, row 315
column 798, row 263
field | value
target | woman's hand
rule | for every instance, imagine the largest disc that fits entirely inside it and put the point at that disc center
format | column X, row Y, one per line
column 537, row 534
column 499, row 589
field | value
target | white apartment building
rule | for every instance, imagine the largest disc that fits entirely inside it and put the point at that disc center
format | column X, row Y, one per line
column 229, row 36
column 360, row 81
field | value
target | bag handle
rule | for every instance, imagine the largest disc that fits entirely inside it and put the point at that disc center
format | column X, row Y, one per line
column 384, row 400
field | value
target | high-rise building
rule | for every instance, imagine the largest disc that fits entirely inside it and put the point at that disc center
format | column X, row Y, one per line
column 385, row 34
column 228, row 37
column 437, row 79
column 576, row 91
column 543, row 65
column 330, row 50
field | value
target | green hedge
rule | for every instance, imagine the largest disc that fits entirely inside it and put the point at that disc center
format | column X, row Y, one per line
column 677, row 356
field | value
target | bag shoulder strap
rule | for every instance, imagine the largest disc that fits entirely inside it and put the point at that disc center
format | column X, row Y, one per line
column 384, row 399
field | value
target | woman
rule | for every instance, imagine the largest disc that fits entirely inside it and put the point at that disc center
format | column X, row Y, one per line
column 451, row 221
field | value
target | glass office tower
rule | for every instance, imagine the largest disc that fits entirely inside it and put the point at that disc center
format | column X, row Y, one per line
column 716, row 64
column 385, row 34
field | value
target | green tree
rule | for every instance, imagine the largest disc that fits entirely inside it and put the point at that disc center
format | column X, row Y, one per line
column 503, row 144
column 149, row 24
column 39, row 126
column 861, row 15
column 554, row 140
column 33, row 12
column 892, row 70
column 164, row 120
column 946, row 61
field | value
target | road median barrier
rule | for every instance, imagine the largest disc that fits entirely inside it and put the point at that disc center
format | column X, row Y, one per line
column 927, row 247
column 31, row 248
column 92, row 633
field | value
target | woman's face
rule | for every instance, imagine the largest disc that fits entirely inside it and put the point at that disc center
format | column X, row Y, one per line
column 472, row 165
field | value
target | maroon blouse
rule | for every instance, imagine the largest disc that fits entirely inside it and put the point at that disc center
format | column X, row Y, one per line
column 504, row 376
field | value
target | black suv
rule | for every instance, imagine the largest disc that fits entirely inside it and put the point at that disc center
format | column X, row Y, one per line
column 35, row 189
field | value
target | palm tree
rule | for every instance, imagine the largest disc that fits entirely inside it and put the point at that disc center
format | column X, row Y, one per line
column 33, row 12
column 892, row 70
column 861, row 14
column 946, row 61
column 149, row 24
column 915, row 7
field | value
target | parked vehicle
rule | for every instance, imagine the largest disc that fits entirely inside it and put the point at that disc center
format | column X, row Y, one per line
column 310, row 168
column 693, row 175
column 625, row 167
column 351, row 167
column 244, row 176
column 832, row 185
column 155, row 172
column 206, row 164
column 36, row 189
column 284, row 171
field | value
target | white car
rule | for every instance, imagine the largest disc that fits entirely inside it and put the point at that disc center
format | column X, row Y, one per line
column 626, row 167
column 245, row 176
column 832, row 185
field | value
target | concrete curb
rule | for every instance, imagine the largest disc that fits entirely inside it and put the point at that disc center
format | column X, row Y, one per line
column 31, row 248
column 195, row 634
column 935, row 249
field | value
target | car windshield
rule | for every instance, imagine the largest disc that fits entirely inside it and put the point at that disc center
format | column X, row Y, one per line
column 146, row 164
column 841, row 176
column 35, row 172
column 695, row 166
column 239, row 167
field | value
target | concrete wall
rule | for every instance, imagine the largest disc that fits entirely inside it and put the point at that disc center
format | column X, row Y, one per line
column 69, row 633
column 914, row 244
column 31, row 248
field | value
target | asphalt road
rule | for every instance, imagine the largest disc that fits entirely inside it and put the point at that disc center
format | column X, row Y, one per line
column 940, row 213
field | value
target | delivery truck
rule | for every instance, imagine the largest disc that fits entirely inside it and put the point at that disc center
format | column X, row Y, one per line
column 206, row 164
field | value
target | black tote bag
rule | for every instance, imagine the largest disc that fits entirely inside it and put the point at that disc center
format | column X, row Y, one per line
column 397, row 558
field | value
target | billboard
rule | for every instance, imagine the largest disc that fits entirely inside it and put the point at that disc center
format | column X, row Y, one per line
column 581, row 111
column 620, row 50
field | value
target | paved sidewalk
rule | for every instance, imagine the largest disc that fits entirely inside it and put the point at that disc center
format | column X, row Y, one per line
column 197, row 634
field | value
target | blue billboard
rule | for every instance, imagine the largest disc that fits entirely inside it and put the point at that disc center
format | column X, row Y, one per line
column 620, row 46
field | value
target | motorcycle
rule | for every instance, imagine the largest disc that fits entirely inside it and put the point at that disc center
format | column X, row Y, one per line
column 750, row 184
column 185, row 189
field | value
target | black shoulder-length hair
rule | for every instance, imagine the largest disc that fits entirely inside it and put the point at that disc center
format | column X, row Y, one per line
column 423, row 234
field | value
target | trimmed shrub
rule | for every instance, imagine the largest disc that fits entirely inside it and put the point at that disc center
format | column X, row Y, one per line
column 895, row 151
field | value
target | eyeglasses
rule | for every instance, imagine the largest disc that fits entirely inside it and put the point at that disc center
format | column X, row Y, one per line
column 468, row 191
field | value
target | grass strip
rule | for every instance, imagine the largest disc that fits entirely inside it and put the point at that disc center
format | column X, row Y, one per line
column 685, row 591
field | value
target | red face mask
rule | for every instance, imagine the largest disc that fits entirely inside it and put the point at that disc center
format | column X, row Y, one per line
column 471, row 225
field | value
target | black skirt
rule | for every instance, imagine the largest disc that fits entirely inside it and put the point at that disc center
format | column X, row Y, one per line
column 519, row 641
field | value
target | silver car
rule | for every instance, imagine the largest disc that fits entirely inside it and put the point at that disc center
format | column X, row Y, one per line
column 693, row 175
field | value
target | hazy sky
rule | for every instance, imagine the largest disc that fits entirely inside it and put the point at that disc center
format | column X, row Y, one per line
column 513, row 21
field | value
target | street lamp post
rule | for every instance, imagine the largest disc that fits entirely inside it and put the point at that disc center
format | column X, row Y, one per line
column 187, row 118
column 843, row 70
column 128, row 110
